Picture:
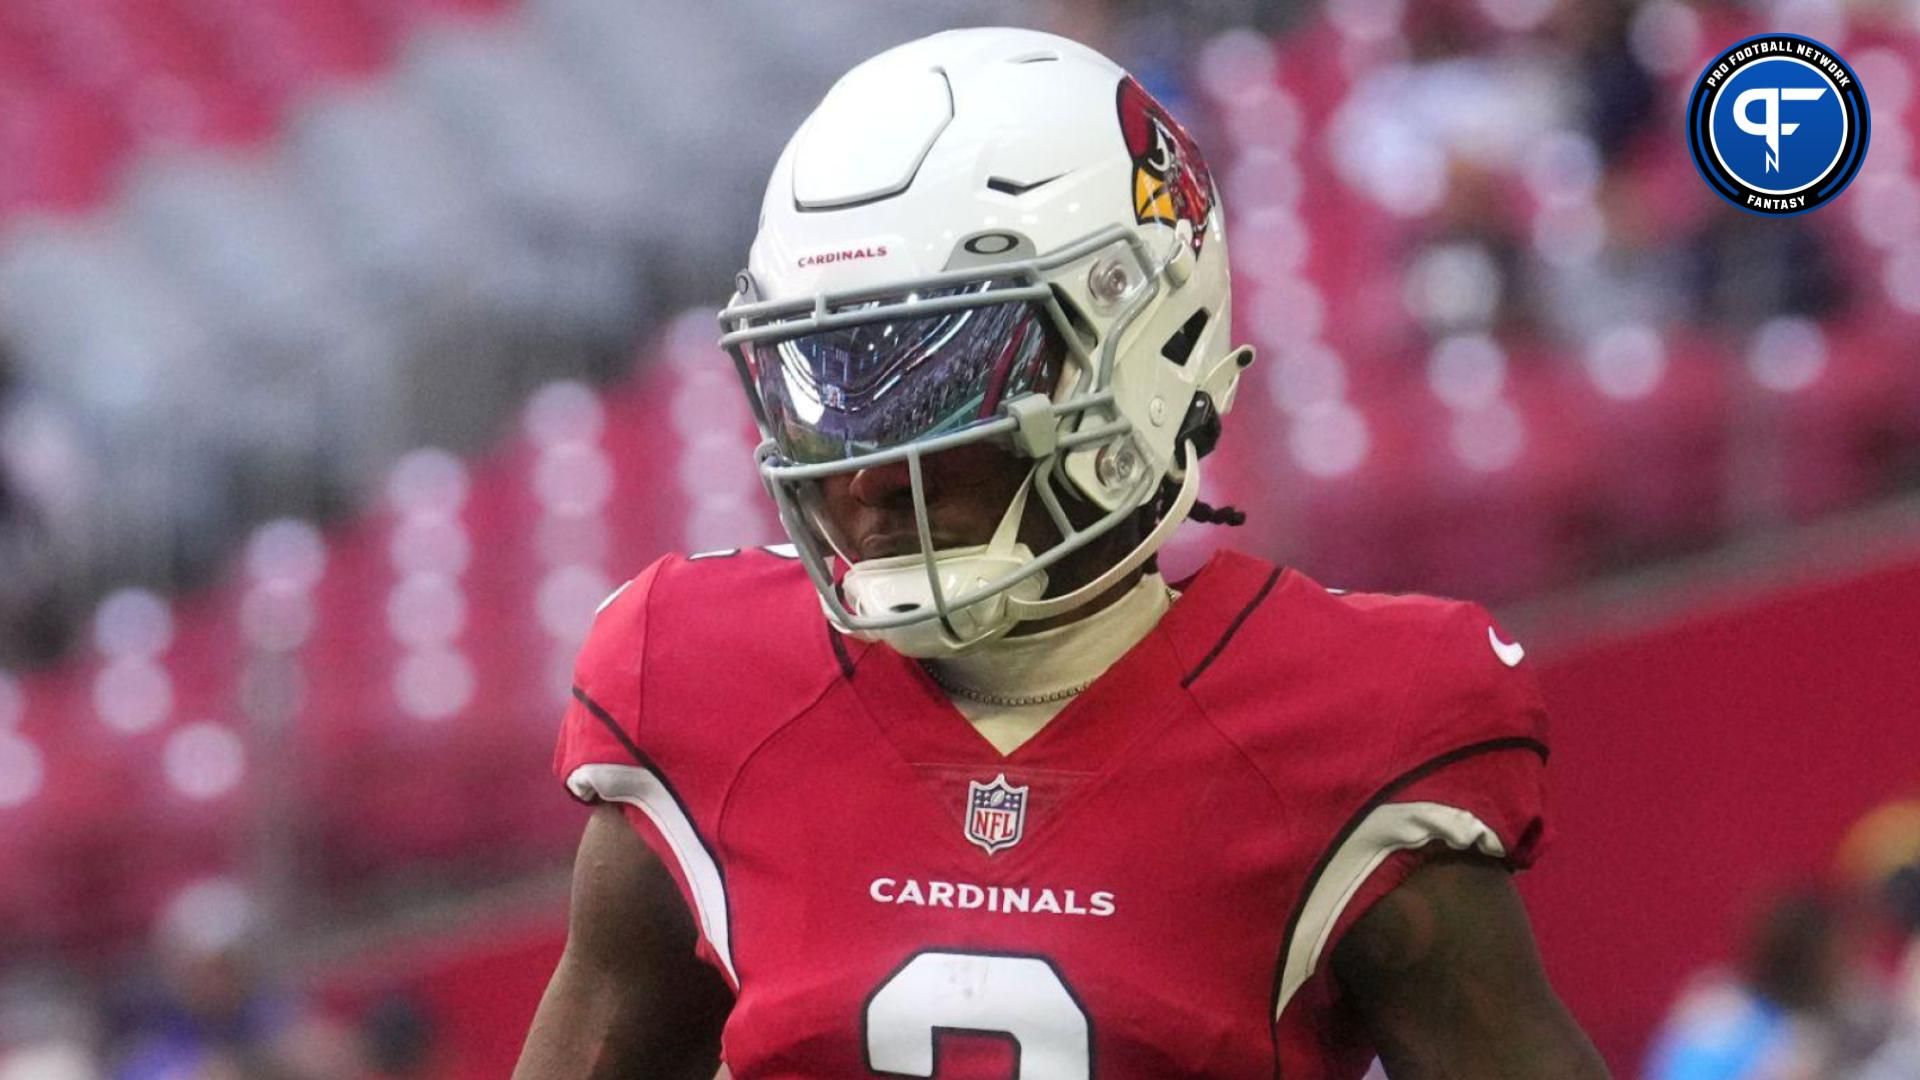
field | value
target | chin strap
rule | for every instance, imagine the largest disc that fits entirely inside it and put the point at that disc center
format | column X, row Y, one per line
column 928, row 580
column 909, row 582
column 1006, row 535
column 1024, row 610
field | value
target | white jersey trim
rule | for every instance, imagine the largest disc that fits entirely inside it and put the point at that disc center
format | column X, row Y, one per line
column 643, row 788
column 1390, row 828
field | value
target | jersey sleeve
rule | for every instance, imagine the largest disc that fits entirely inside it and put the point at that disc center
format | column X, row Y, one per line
column 1472, row 742
column 603, row 755
column 1466, row 773
column 601, row 725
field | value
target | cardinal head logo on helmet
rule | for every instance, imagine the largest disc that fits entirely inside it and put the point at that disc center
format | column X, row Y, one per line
column 1170, row 178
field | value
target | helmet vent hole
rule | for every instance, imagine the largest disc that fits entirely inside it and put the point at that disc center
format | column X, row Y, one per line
column 1035, row 57
column 902, row 609
column 1180, row 345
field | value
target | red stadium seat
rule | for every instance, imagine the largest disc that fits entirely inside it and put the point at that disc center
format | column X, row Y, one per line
column 1843, row 435
column 1511, row 504
column 1661, row 459
column 61, row 147
column 287, row 46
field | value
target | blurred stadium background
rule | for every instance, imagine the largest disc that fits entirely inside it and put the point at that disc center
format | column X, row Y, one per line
column 352, row 350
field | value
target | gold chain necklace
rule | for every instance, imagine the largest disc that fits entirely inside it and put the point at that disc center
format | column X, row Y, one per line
column 1005, row 701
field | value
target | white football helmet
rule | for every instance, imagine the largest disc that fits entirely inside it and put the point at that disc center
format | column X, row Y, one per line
column 986, row 234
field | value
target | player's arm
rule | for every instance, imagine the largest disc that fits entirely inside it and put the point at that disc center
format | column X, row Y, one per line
column 629, row 997
column 1446, row 976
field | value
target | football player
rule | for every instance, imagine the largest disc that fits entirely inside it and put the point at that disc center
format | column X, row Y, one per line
column 956, row 784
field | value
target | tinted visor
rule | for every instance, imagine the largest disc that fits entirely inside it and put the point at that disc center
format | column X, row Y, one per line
column 844, row 392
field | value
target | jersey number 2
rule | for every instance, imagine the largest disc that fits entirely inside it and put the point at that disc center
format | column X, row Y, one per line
column 1019, row 997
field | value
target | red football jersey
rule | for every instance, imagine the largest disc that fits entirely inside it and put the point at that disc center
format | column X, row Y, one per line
column 1149, row 887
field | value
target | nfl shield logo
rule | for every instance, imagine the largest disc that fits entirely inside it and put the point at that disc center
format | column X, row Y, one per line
column 996, row 813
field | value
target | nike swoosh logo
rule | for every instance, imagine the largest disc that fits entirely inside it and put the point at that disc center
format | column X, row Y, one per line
column 1509, row 652
column 1015, row 187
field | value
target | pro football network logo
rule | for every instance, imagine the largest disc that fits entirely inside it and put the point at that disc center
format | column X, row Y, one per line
column 1170, row 178
column 996, row 813
column 1778, row 124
